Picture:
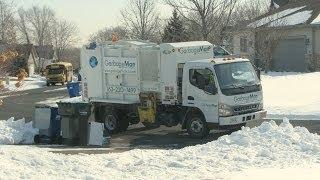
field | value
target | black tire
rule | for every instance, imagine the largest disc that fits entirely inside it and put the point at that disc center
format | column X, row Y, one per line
column 111, row 121
column 197, row 126
column 48, row 84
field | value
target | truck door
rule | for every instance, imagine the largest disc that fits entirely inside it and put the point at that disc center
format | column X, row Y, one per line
column 200, row 91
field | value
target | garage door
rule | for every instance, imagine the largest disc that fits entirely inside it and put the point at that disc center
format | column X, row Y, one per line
column 290, row 55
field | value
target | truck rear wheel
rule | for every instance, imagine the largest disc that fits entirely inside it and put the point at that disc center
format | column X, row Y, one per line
column 197, row 126
column 111, row 121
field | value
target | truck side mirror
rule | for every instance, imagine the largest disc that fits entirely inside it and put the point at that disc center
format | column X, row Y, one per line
column 258, row 70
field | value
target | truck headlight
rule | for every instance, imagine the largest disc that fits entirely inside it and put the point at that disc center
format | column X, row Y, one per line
column 225, row 110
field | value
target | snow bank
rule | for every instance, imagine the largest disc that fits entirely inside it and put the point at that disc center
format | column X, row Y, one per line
column 292, row 93
column 267, row 146
column 16, row 132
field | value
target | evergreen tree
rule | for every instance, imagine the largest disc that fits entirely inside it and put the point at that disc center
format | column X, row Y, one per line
column 175, row 31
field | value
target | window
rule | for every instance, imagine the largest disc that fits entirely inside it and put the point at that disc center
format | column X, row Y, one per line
column 202, row 79
column 243, row 45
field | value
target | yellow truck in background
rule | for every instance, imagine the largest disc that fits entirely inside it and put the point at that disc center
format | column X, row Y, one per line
column 61, row 72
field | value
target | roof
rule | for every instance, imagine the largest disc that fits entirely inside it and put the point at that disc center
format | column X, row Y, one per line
column 135, row 43
column 45, row 52
column 220, row 60
column 189, row 44
column 296, row 12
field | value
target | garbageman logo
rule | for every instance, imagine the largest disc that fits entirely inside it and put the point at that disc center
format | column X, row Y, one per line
column 93, row 62
column 249, row 98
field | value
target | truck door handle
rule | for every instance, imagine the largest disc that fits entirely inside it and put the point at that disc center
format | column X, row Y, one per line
column 191, row 98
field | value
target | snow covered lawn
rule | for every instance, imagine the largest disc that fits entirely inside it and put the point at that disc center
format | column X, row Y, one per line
column 33, row 82
column 292, row 93
column 237, row 156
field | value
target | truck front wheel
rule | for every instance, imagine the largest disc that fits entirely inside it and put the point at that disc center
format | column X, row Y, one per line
column 197, row 126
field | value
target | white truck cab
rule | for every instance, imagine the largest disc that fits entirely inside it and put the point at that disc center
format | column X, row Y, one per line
column 169, row 84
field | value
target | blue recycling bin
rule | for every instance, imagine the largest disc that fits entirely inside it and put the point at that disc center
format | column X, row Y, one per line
column 73, row 89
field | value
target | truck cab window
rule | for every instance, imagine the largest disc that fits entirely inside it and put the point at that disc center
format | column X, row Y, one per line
column 202, row 79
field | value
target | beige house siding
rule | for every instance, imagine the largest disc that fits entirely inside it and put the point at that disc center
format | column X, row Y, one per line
column 236, row 44
column 316, row 40
column 306, row 32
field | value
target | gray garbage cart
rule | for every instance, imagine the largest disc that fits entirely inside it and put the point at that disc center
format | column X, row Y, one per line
column 47, row 120
column 74, row 122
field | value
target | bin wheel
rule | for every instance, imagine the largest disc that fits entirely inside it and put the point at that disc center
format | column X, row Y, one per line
column 59, row 140
column 48, row 84
column 36, row 139
column 111, row 121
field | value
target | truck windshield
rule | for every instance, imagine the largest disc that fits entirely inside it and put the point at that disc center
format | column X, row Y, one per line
column 237, row 78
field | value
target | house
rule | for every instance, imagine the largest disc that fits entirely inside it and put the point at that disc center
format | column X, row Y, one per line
column 46, row 55
column 287, row 38
column 26, row 58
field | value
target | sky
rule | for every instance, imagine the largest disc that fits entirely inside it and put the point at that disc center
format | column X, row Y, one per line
column 89, row 15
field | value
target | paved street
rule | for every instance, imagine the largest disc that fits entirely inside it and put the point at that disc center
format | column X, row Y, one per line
column 21, row 104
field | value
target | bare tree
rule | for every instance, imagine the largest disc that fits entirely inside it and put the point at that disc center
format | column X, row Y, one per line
column 142, row 19
column 65, row 35
column 105, row 34
column 23, row 26
column 249, row 10
column 208, row 16
column 41, row 21
column 7, row 23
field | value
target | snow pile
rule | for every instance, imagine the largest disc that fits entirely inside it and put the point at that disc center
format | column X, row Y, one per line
column 291, row 93
column 267, row 146
column 16, row 132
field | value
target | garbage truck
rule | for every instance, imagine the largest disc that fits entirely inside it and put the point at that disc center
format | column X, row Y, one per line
column 170, row 84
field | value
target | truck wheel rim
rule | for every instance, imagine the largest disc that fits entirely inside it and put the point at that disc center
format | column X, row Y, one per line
column 111, row 122
column 196, row 125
